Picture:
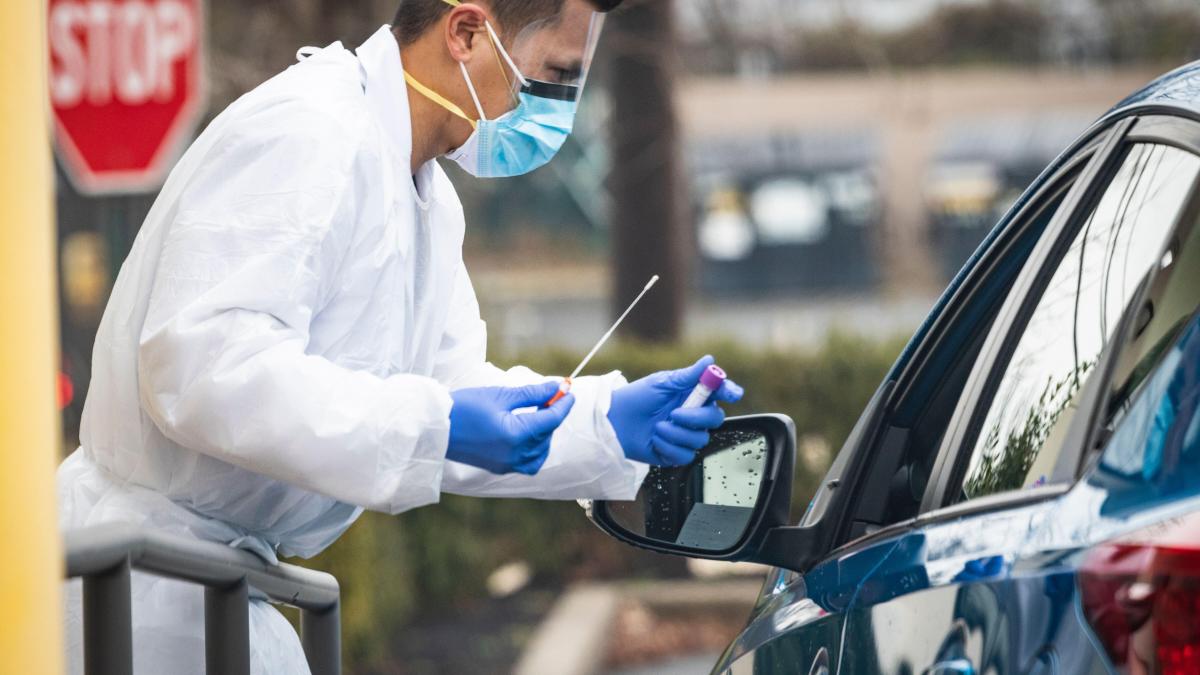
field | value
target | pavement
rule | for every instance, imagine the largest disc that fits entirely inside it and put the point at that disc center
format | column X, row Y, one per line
column 574, row 638
column 696, row 664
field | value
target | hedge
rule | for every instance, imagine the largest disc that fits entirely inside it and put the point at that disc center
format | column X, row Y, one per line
column 434, row 561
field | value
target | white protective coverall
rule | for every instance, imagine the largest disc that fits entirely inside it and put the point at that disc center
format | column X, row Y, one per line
column 279, row 348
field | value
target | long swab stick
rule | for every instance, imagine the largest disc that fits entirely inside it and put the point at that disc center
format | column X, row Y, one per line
column 566, row 383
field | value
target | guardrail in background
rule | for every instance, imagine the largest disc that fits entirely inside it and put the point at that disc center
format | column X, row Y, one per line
column 105, row 555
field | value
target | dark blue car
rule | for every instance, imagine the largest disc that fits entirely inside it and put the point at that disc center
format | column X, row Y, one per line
column 1022, row 493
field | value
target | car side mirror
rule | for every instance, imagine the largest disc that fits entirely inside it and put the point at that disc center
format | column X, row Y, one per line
column 721, row 506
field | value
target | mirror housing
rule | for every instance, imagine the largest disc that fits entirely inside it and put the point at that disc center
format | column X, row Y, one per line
column 769, row 538
column 770, row 511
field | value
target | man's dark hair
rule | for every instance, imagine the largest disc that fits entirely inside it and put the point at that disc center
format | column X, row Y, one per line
column 415, row 17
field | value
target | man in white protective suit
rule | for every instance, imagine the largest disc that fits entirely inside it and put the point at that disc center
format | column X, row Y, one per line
column 294, row 337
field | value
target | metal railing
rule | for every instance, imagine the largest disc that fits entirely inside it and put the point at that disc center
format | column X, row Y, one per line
column 105, row 555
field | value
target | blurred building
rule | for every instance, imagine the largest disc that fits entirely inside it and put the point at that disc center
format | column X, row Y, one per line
column 753, row 15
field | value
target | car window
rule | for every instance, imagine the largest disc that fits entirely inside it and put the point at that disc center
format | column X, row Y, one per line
column 1078, row 309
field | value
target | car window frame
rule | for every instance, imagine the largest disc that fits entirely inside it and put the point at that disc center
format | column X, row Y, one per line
column 895, row 418
column 954, row 454
column 1072, row 167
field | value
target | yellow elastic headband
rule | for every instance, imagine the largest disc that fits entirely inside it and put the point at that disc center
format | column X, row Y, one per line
column 438, row 98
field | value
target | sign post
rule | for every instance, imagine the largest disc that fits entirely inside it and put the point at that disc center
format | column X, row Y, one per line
column 31, row 569
column 126, row 88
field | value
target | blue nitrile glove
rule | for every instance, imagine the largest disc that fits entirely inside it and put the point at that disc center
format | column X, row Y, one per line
column 485, row 433
column 651, row 426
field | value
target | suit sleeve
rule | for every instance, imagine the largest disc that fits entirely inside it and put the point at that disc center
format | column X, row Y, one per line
column 223, row 367
column 585, row 462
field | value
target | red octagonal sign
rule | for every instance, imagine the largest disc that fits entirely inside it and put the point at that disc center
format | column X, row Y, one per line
column 126, row 85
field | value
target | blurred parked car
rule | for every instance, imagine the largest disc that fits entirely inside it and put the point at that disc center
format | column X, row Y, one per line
column 1022, row 493
column 782, row 213
column 980, row 167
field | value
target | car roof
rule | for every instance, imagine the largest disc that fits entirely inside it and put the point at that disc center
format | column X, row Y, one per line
column 1176, row 92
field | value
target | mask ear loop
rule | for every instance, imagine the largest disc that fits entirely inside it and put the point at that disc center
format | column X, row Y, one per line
column 471, row 88
column 499, row 49
column 466, row 78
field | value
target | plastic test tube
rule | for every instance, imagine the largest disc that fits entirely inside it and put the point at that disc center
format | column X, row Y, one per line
column 564, row 388
column 710, row 380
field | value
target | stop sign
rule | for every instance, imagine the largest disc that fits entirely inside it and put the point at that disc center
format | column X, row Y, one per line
column 126, row 79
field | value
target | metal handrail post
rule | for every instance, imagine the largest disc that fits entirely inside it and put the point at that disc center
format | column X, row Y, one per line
column 321, row 635
column 107, row 622
column 227, row 630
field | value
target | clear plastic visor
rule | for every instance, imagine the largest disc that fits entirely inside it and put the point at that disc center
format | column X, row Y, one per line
column 552, row 56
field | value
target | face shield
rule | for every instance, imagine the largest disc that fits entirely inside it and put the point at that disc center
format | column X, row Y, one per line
column 551, row 57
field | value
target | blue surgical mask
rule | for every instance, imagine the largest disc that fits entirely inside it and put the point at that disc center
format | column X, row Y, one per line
column 518, row 142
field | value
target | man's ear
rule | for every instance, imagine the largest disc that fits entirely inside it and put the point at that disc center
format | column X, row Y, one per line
column 465, row 24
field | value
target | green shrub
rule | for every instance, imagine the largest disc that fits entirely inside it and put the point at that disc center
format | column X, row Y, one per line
column 435, row 560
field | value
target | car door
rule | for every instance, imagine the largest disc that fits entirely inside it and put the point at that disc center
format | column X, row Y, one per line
column 799, row 625
column 982, row 580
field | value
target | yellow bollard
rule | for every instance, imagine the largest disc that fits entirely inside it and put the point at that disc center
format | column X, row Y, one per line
column 31, row 564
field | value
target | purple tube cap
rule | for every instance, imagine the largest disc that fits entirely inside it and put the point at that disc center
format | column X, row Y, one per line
column 712, row 377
